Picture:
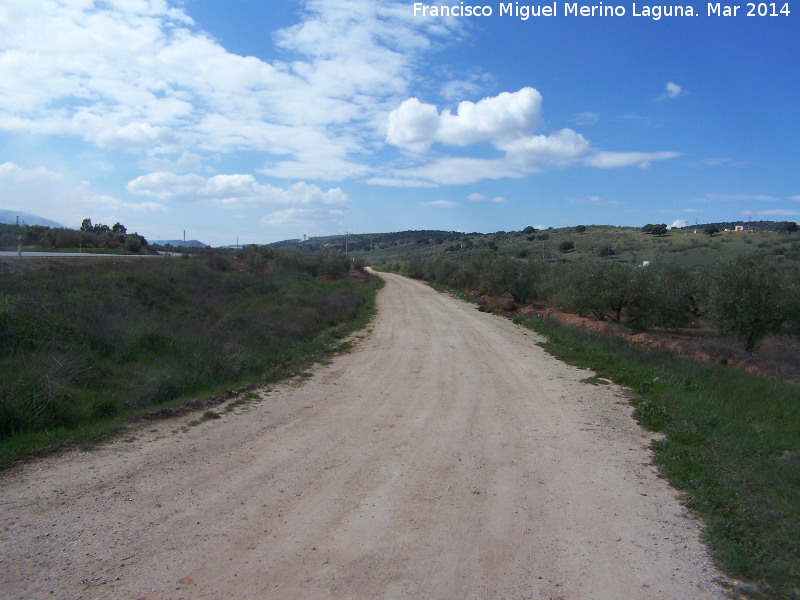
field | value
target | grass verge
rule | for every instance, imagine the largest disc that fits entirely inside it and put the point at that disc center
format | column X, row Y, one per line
column 87, row 347
column 731, row 443
column 456, row 293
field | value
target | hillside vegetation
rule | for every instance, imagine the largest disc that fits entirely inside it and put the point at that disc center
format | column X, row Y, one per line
column 626, row 244
column 87, row 344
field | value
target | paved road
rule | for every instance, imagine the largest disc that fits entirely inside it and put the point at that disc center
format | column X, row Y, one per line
column 75, row 254
column 447, row 456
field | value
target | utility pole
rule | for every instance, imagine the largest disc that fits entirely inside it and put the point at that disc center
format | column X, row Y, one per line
column 184, row 238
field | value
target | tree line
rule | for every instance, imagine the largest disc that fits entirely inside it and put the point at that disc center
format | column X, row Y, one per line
column 89, row 235
column 750, row 296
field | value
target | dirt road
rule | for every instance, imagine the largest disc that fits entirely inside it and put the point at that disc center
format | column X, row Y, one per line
column 446, row 457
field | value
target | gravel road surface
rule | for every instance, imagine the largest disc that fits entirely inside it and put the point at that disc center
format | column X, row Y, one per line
column 446, row 456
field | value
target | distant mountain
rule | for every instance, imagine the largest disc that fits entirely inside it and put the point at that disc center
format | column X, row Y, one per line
column 10, row 217
column 179, row 243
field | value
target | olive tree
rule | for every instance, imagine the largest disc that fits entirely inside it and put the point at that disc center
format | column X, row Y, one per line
column 752, row 297
column 668, row 296
column 603, row 290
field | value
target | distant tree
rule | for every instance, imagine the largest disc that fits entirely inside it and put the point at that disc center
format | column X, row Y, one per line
column 543, row 236
column 119, row 228
column 134, row 242
column 86, row 225
column 580, row 229
column 659, row 230
column 751, row 297
column 788, row 227
column 565, row 247
column 605, row 251
column 710, row 230
column 529, row 229
column 647, row 228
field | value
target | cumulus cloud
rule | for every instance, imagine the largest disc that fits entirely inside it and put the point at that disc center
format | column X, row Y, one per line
column 679, row 223
column 415, row 126
column 507, row 122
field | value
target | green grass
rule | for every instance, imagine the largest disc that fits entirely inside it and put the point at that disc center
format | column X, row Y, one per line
column 85, row 347
column 732, row 444
column 461, row 295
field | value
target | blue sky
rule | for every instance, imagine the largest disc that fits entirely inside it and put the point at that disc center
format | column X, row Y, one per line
column 263, row 121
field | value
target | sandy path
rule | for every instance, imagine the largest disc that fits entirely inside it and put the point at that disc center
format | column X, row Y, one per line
column 447, row 456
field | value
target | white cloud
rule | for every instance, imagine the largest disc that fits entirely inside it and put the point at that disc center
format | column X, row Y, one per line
column 558, row 149
column 52, row 195
column 671, row 91
column 441, row 203
column 294, row 204
column 679, row 223
column 140, row 75
column 497, row 118
column 506, row 121
column 481, row 198
column 609, row 160
column 415, row 126
column 458, row 171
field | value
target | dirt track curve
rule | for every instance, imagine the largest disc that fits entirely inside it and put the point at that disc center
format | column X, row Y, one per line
column 446, row 457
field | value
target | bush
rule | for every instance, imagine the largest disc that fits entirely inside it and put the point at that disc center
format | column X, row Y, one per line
column 565, row 247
